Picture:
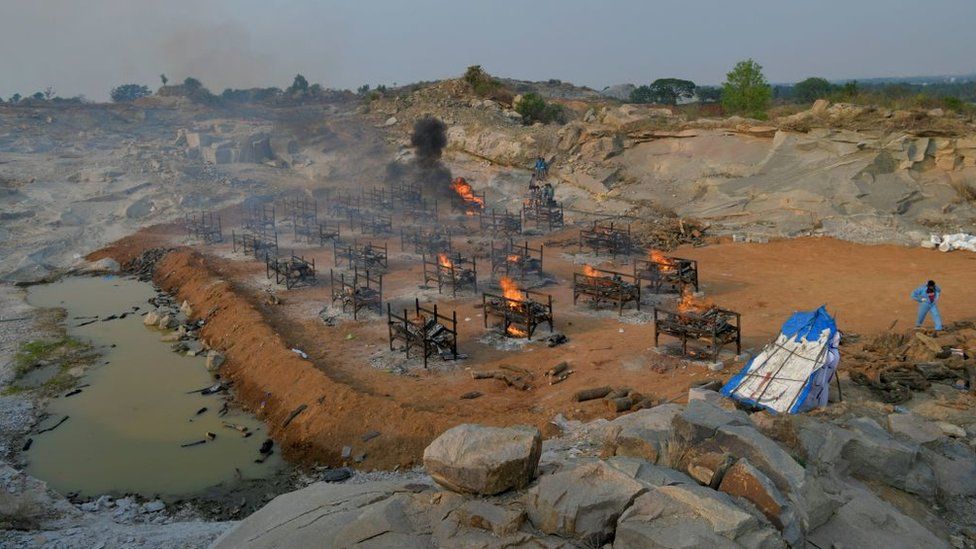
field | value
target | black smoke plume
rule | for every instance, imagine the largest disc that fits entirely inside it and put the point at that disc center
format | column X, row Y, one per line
column 429, row 139
column 425, row 169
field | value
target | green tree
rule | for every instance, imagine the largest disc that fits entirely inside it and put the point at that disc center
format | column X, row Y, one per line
column 534, row 108
column 745, row 90
column 480, row 81
column 709, row 94
column 849, row 90
column 669, row 91
column 163, row 79
column 15, row 98
column 642, row 94
column 128, row 92
column 812, row 88
column 299, row 86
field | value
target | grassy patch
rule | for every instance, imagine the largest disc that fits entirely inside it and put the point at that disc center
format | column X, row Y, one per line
column 38, row 352
column 63, row 354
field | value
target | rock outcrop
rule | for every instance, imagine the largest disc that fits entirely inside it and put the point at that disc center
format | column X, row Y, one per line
column 484, row 460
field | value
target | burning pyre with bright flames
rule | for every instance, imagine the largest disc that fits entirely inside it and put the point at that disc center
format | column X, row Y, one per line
column 690, row 304
column 465, row 192
column 665, row 263
column 511, row 292
column 590, row 271
column 444, row 261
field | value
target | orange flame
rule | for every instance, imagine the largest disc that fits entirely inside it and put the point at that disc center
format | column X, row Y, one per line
column 510, row 290
column 665, row 263
column 514, row 258
column 590, row 271
column 444, row 261
column 689, row 304
column 463, row 189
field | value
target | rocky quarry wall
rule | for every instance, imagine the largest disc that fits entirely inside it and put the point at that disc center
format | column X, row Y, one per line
column 817, row 172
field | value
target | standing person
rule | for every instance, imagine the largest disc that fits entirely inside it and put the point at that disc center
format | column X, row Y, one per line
column 540, row 168
column 927, row 296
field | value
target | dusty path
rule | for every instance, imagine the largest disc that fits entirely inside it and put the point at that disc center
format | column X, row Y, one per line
column 349, row 390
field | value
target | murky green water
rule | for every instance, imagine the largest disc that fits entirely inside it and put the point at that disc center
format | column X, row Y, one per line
column 126, row 428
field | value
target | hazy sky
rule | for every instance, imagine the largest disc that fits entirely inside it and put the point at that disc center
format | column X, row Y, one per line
column 88, row 46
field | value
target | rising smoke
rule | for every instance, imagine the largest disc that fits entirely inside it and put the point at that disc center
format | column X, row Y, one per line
column 425, row 169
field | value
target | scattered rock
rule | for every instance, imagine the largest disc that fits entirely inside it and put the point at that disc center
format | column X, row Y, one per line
column 214, row 360
column 691, row 516
column 484, row 460
column 745, row 481
column 582, row 503
column 643, row 434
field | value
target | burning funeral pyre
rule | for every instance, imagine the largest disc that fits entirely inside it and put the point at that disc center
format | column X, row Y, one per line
column 519, row 313
column 600, row 286
column 664, row 272
column 467, row 200
column 693, row 320
column 454, row 271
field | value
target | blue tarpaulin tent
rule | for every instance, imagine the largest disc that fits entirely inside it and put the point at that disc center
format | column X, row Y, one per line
column 792, row 373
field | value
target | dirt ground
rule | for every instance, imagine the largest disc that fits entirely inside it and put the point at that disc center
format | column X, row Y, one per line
column 350, row 381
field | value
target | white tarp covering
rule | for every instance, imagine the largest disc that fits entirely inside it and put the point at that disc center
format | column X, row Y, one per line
column 791, row 374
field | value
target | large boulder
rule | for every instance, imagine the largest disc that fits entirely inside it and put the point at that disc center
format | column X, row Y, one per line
column 913, row 428
column 699, row 421
column 745, row 481
column 642, row 434
column 688, row 516
column 874, row 454
column 582, row 503
column 484, row 460
column 954, row 466
column 381, row 514
column 867, row 521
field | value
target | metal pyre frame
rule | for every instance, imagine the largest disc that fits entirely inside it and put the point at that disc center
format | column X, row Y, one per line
column 425, row 242
column 304, row 217
column 204, row 226
column 456, row 272
column 376, row 224
column 366, row 256
column 606, row 239
column 607, row 286
column 329, row 231
column 498, row 224
column 428, row 330
column 363, row 291
column 421, row 213
column 260, row 219
column 674, row 273
column 515, row 260
column 346, row 206
column 260, row 245
column 519, row 317
column 293, row 271
column 718, row 327
column 543, row 215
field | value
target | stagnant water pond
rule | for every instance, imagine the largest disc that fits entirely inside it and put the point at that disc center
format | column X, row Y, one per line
column 126, row 428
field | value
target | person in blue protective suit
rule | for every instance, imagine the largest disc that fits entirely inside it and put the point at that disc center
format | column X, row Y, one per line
column 819, row 394
column 927, row 295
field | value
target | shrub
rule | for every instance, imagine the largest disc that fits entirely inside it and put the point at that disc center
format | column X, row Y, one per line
column 128, row 92
column 534, row 108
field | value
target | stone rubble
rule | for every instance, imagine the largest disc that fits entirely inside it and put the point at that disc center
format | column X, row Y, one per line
column 637, row 481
